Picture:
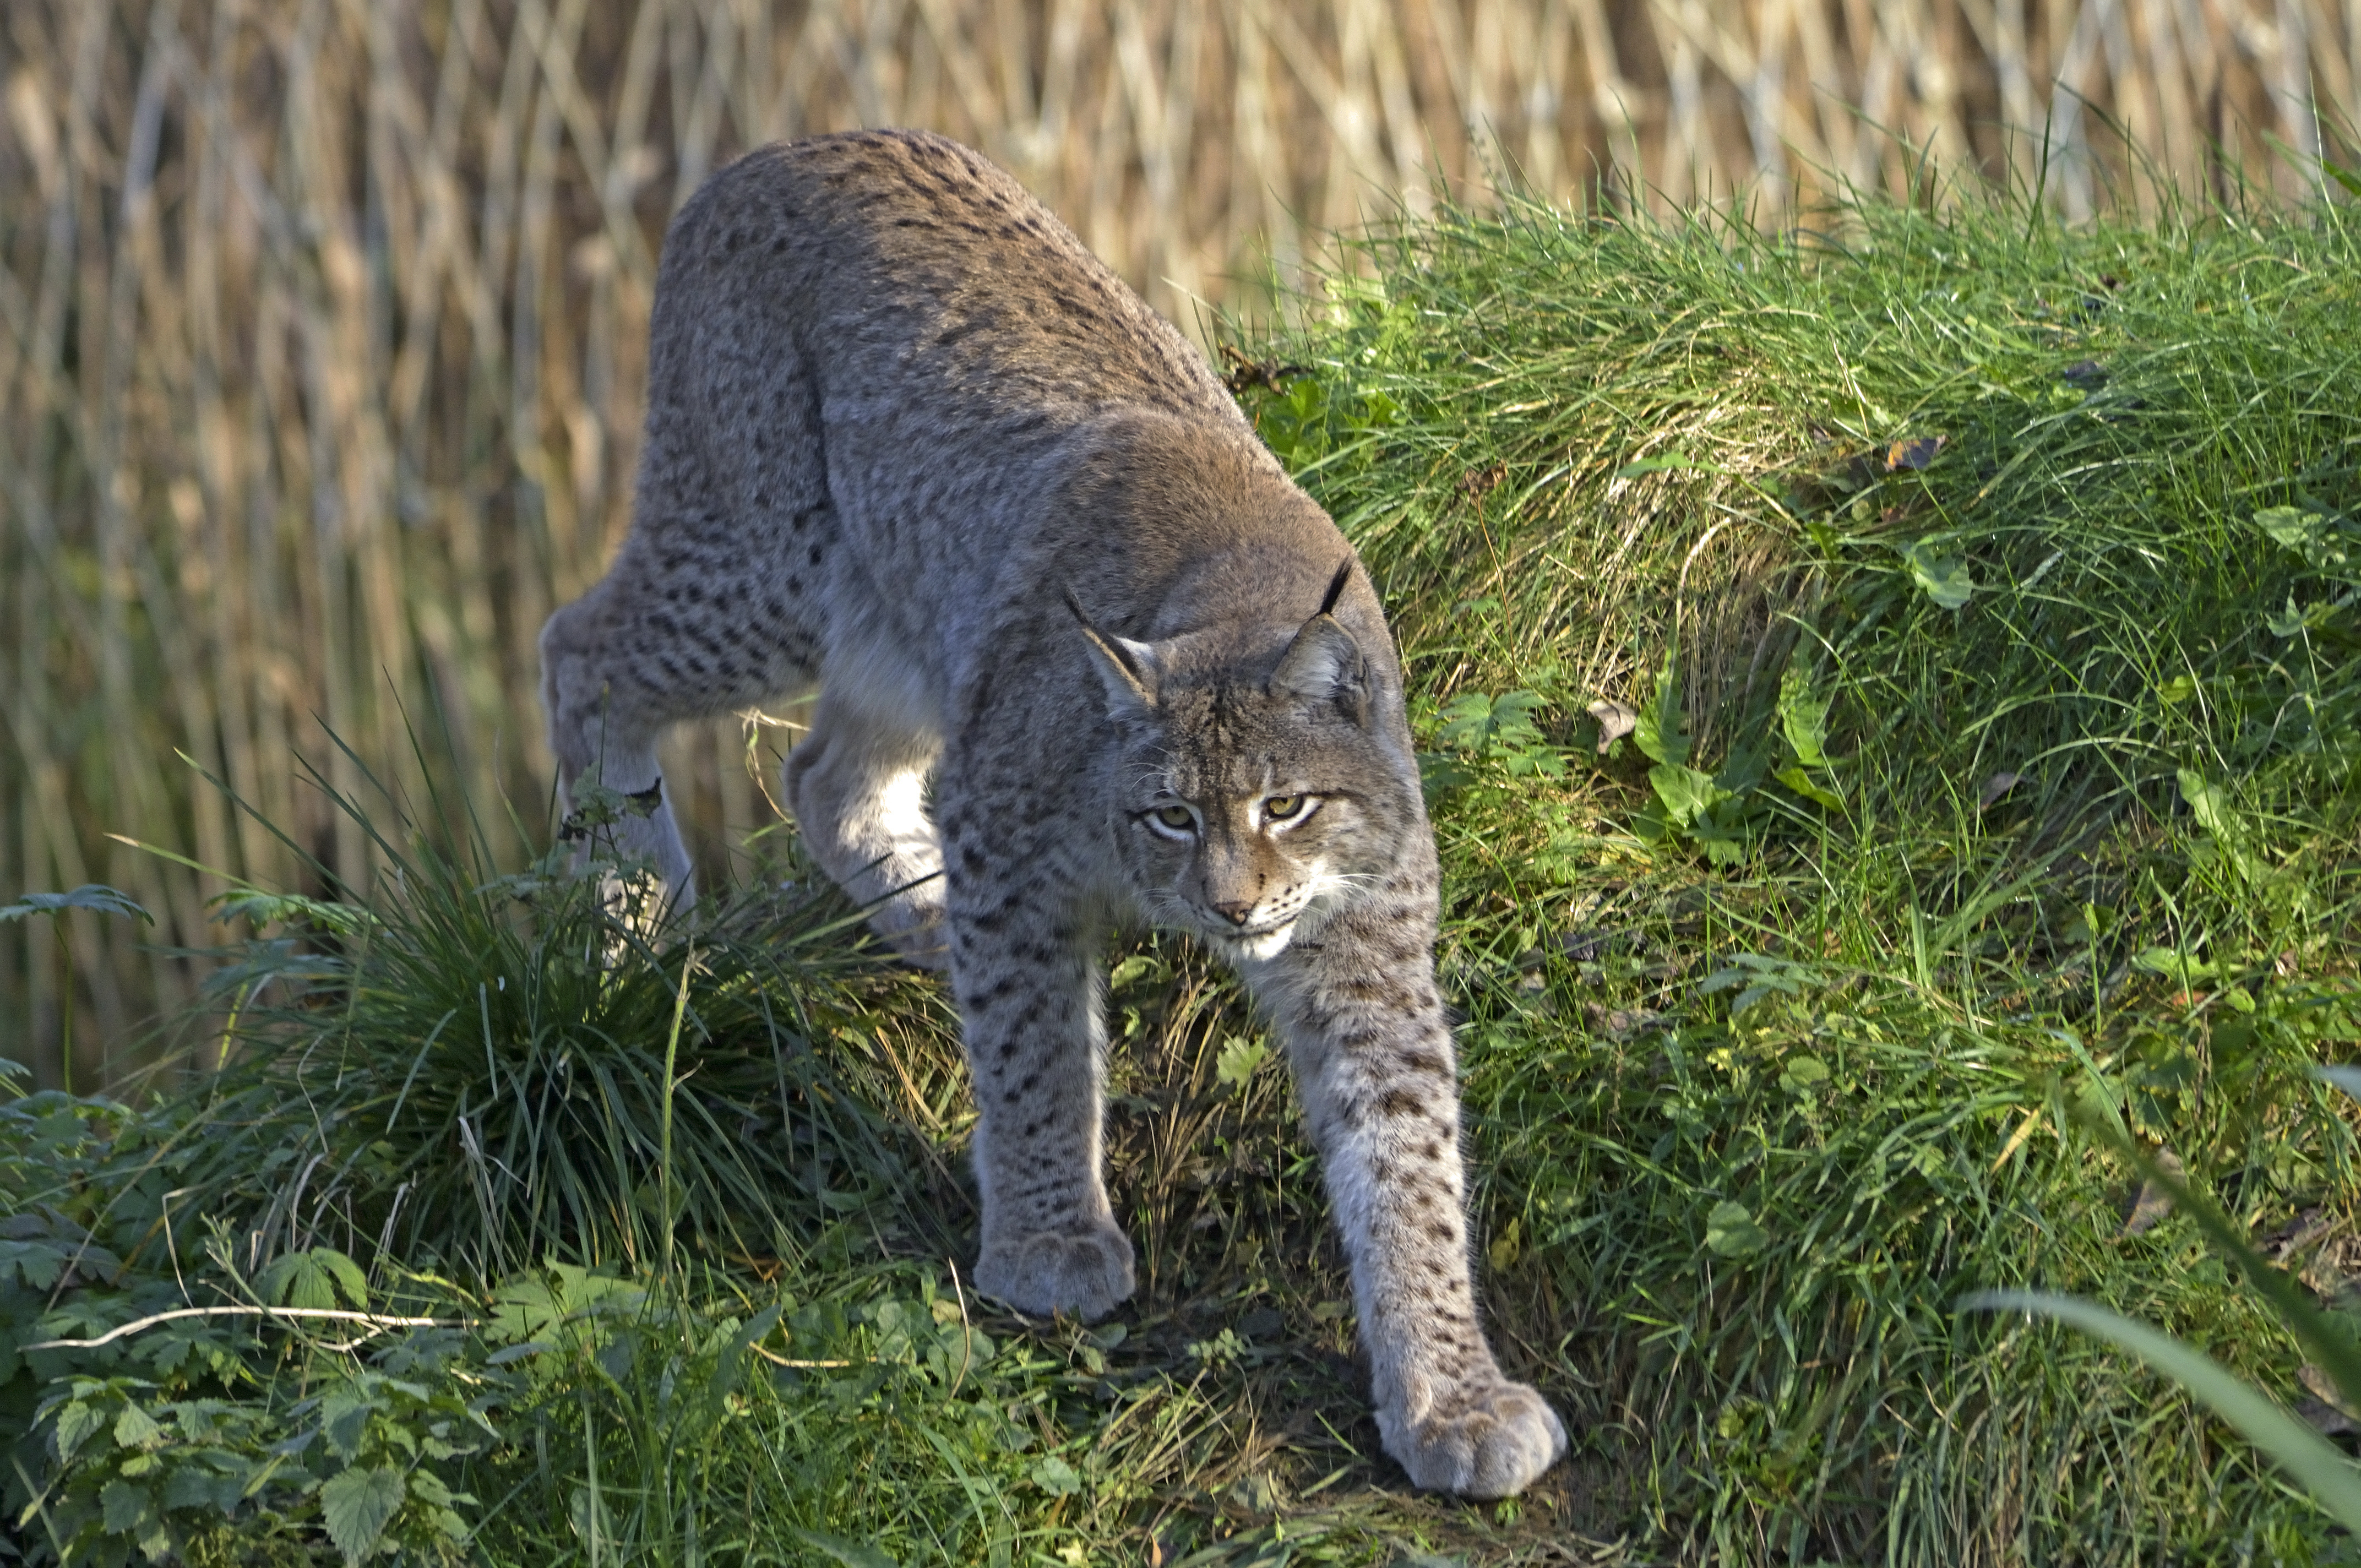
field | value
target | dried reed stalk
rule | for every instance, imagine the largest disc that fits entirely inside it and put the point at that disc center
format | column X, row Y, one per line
column 322, row 321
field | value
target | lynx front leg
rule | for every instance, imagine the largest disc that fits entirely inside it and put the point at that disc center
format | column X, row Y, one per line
column 1023, row 971
column 1373, row 1060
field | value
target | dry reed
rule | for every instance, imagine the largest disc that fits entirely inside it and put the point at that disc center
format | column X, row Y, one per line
column 321, row 321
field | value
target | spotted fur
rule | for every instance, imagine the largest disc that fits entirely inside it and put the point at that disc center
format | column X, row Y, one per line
column 908, row 441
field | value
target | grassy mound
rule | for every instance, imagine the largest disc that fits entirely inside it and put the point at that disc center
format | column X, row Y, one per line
column 1889, row 707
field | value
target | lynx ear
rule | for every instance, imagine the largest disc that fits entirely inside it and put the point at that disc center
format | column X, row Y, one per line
column 1323, row 665
column 1126, row 668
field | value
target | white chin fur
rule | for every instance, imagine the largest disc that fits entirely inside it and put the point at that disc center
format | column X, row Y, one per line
column 1263, row 944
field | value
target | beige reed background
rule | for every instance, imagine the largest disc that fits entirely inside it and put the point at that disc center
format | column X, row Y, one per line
column 321, row 321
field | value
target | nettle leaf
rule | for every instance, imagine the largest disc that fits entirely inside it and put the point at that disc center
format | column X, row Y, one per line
column 125, row 1506
column 89, row 896
column 1942, row 579
column 357, row 1504
column 343, row 1418
column 76, row 1422
column 135, row 1428
column 1731, row 1232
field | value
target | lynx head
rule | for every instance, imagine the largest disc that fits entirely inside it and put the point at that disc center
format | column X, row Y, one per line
column 1255, row 781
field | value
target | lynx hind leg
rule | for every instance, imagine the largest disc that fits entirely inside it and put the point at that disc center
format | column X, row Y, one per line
column 601, row 723
column 857, row 784
column 642, row 650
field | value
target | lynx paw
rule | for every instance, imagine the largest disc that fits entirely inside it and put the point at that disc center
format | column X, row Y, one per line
column 1084, row 1272
column 1485, row 1443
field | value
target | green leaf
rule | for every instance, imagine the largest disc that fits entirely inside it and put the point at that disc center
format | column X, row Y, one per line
column 343, row 1417
column 1811, row 789
column 2209, row 804
column 350, row 1282
column 2175, row 965
column 75, row 1424
column 296, row 1279
column 1686, row 793
column 123, row 1506
column 1731, row 1231
column 1658, row 732
column 852, row 1554
column 1057, row 1477
column 135, row 1428
column 1802, row 1074
column 1940, row 577
column 89, row 896
column 2331, row 1479
column 2294, row 527
column 1240, row 1055
column 1804, row 719
column 357, row 1504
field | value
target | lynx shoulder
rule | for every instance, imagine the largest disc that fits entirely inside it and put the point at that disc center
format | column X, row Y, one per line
column 1083, row 650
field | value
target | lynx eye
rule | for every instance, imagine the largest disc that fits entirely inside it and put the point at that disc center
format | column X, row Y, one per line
column 1284, row 808
column 1177, row 819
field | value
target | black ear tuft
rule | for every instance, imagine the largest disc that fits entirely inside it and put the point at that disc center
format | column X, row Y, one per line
column 1337, row 587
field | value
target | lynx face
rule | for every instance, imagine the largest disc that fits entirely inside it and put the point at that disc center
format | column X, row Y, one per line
column 1249, row 794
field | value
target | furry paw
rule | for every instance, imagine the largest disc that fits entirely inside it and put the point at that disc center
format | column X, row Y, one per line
column 1084, row 1272
column 1489, row 1442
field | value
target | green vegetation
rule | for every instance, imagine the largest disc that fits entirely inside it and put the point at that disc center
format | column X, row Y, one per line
column 1890, row 711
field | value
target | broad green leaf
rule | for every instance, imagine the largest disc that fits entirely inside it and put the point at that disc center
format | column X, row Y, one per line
column 2175, row 965
column 125, row 1506
column 2331, row 1478
column 2294, row 527
column 343, row 1417
column 1658, row 732
column 1686, row 793
column 296, row 1279
column 1811, row 789
column 1941, row 578
column 1731, row 1231
column 1804, row 719
column 2208, row 804
column 75, row 1424
column 1804, row 1073
column 1057, row 1477
column 135, row 1428
column 357, row 1504
column 350, row 1282
column 1239, row 1056
column 852, row 1554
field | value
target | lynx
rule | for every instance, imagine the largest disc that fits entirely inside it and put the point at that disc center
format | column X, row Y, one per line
column 1085, row 653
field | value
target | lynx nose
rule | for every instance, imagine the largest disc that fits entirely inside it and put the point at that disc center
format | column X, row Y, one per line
column 1236, row 913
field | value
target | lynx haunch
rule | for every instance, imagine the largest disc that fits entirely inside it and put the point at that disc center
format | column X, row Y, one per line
column 909, row 443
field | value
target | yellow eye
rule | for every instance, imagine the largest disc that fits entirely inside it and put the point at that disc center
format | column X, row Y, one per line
column 1179, row 818
column 1279, row 807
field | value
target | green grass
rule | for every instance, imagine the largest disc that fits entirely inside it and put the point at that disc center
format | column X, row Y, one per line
column 1980, row 598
